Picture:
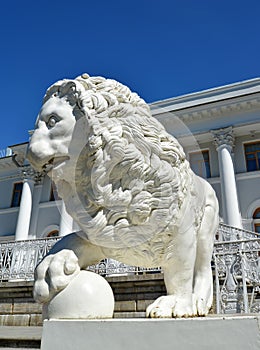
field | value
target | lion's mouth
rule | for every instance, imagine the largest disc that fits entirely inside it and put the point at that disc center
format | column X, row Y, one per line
column 54, row 163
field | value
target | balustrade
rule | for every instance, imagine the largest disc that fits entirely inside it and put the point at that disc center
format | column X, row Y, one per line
column 237, row 271
column 236, row 267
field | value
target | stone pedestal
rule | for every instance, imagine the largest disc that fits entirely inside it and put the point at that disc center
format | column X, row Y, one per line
column 214, row 333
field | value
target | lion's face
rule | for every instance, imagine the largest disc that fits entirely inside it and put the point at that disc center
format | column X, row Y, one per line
column 48, row 147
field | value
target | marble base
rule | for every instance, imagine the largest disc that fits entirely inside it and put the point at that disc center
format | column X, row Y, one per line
column 214, row 333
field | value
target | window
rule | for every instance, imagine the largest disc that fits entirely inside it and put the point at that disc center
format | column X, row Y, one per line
column 17, row 193
column 256, row 217
column 199, row 162
column 252, row 154
column 54, row 233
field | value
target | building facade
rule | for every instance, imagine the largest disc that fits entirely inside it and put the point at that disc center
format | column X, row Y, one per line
column 220, row 132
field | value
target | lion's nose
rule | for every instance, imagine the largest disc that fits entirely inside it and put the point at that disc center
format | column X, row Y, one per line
column 33, row 159
column 38, row 154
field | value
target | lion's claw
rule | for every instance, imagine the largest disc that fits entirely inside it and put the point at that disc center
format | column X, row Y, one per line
column 54, row 273
column 172, row 306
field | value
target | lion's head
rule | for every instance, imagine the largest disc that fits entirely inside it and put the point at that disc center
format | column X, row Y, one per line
column 117, row 169
column 65, row 103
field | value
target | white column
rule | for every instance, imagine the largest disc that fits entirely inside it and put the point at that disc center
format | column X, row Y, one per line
column 66, row 222
column 35, row 209
column 224, row 141
column 24, row 216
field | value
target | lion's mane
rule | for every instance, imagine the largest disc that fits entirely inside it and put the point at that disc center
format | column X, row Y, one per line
column 131, row 175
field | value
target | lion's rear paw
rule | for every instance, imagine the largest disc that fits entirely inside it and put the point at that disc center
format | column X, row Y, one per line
column 172, row 306
column 203, row 292
column 203, row 306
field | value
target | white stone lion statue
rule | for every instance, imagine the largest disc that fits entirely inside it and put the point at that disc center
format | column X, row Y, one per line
column 127, row 184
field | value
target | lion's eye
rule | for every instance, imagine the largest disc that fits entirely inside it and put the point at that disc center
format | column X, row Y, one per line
column 51, row 122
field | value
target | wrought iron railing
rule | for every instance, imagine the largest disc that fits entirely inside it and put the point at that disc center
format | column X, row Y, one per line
column 18, row 259
column 229, row 233
column 236, row 265
column 111, row 267
column 236, row 259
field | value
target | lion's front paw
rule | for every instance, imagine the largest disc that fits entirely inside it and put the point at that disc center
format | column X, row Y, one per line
column 54, row 273
column 172, row 306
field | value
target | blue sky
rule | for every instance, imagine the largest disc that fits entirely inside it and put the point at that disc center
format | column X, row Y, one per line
column 160, row 49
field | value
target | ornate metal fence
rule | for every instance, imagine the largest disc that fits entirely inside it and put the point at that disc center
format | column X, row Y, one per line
column 18, row 259
column 236, row 259
column 110, row 267
column 229, row 233
column 236, row 264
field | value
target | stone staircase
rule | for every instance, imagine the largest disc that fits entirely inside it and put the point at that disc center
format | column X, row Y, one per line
column 132, row 295
column 17, row 307
column 21, row 317
column 13, row 337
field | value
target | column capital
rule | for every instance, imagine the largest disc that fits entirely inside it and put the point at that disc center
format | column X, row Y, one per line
column 28, row 173
column 223, row 137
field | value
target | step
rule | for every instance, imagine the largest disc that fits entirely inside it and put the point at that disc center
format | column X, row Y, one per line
column 14, row 337
column 15, row 347
column 5, row 348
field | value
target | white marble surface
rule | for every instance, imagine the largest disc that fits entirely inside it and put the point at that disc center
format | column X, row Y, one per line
column 88, row 296
column 128, row 185
column 225, row 333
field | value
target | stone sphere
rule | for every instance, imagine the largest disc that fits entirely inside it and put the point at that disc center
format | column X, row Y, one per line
column 87, row 296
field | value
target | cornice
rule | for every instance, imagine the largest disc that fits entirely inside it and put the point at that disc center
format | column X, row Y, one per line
column 213, row 110
column 6, row 163
column 220, row 93
column 237, row 88
column 220, row 109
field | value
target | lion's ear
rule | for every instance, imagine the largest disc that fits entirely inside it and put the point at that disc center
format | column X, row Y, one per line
column 70, row 91
column 52, row 91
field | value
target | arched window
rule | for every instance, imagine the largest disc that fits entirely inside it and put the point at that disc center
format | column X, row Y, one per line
column 256, row 218
column 54, row 233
